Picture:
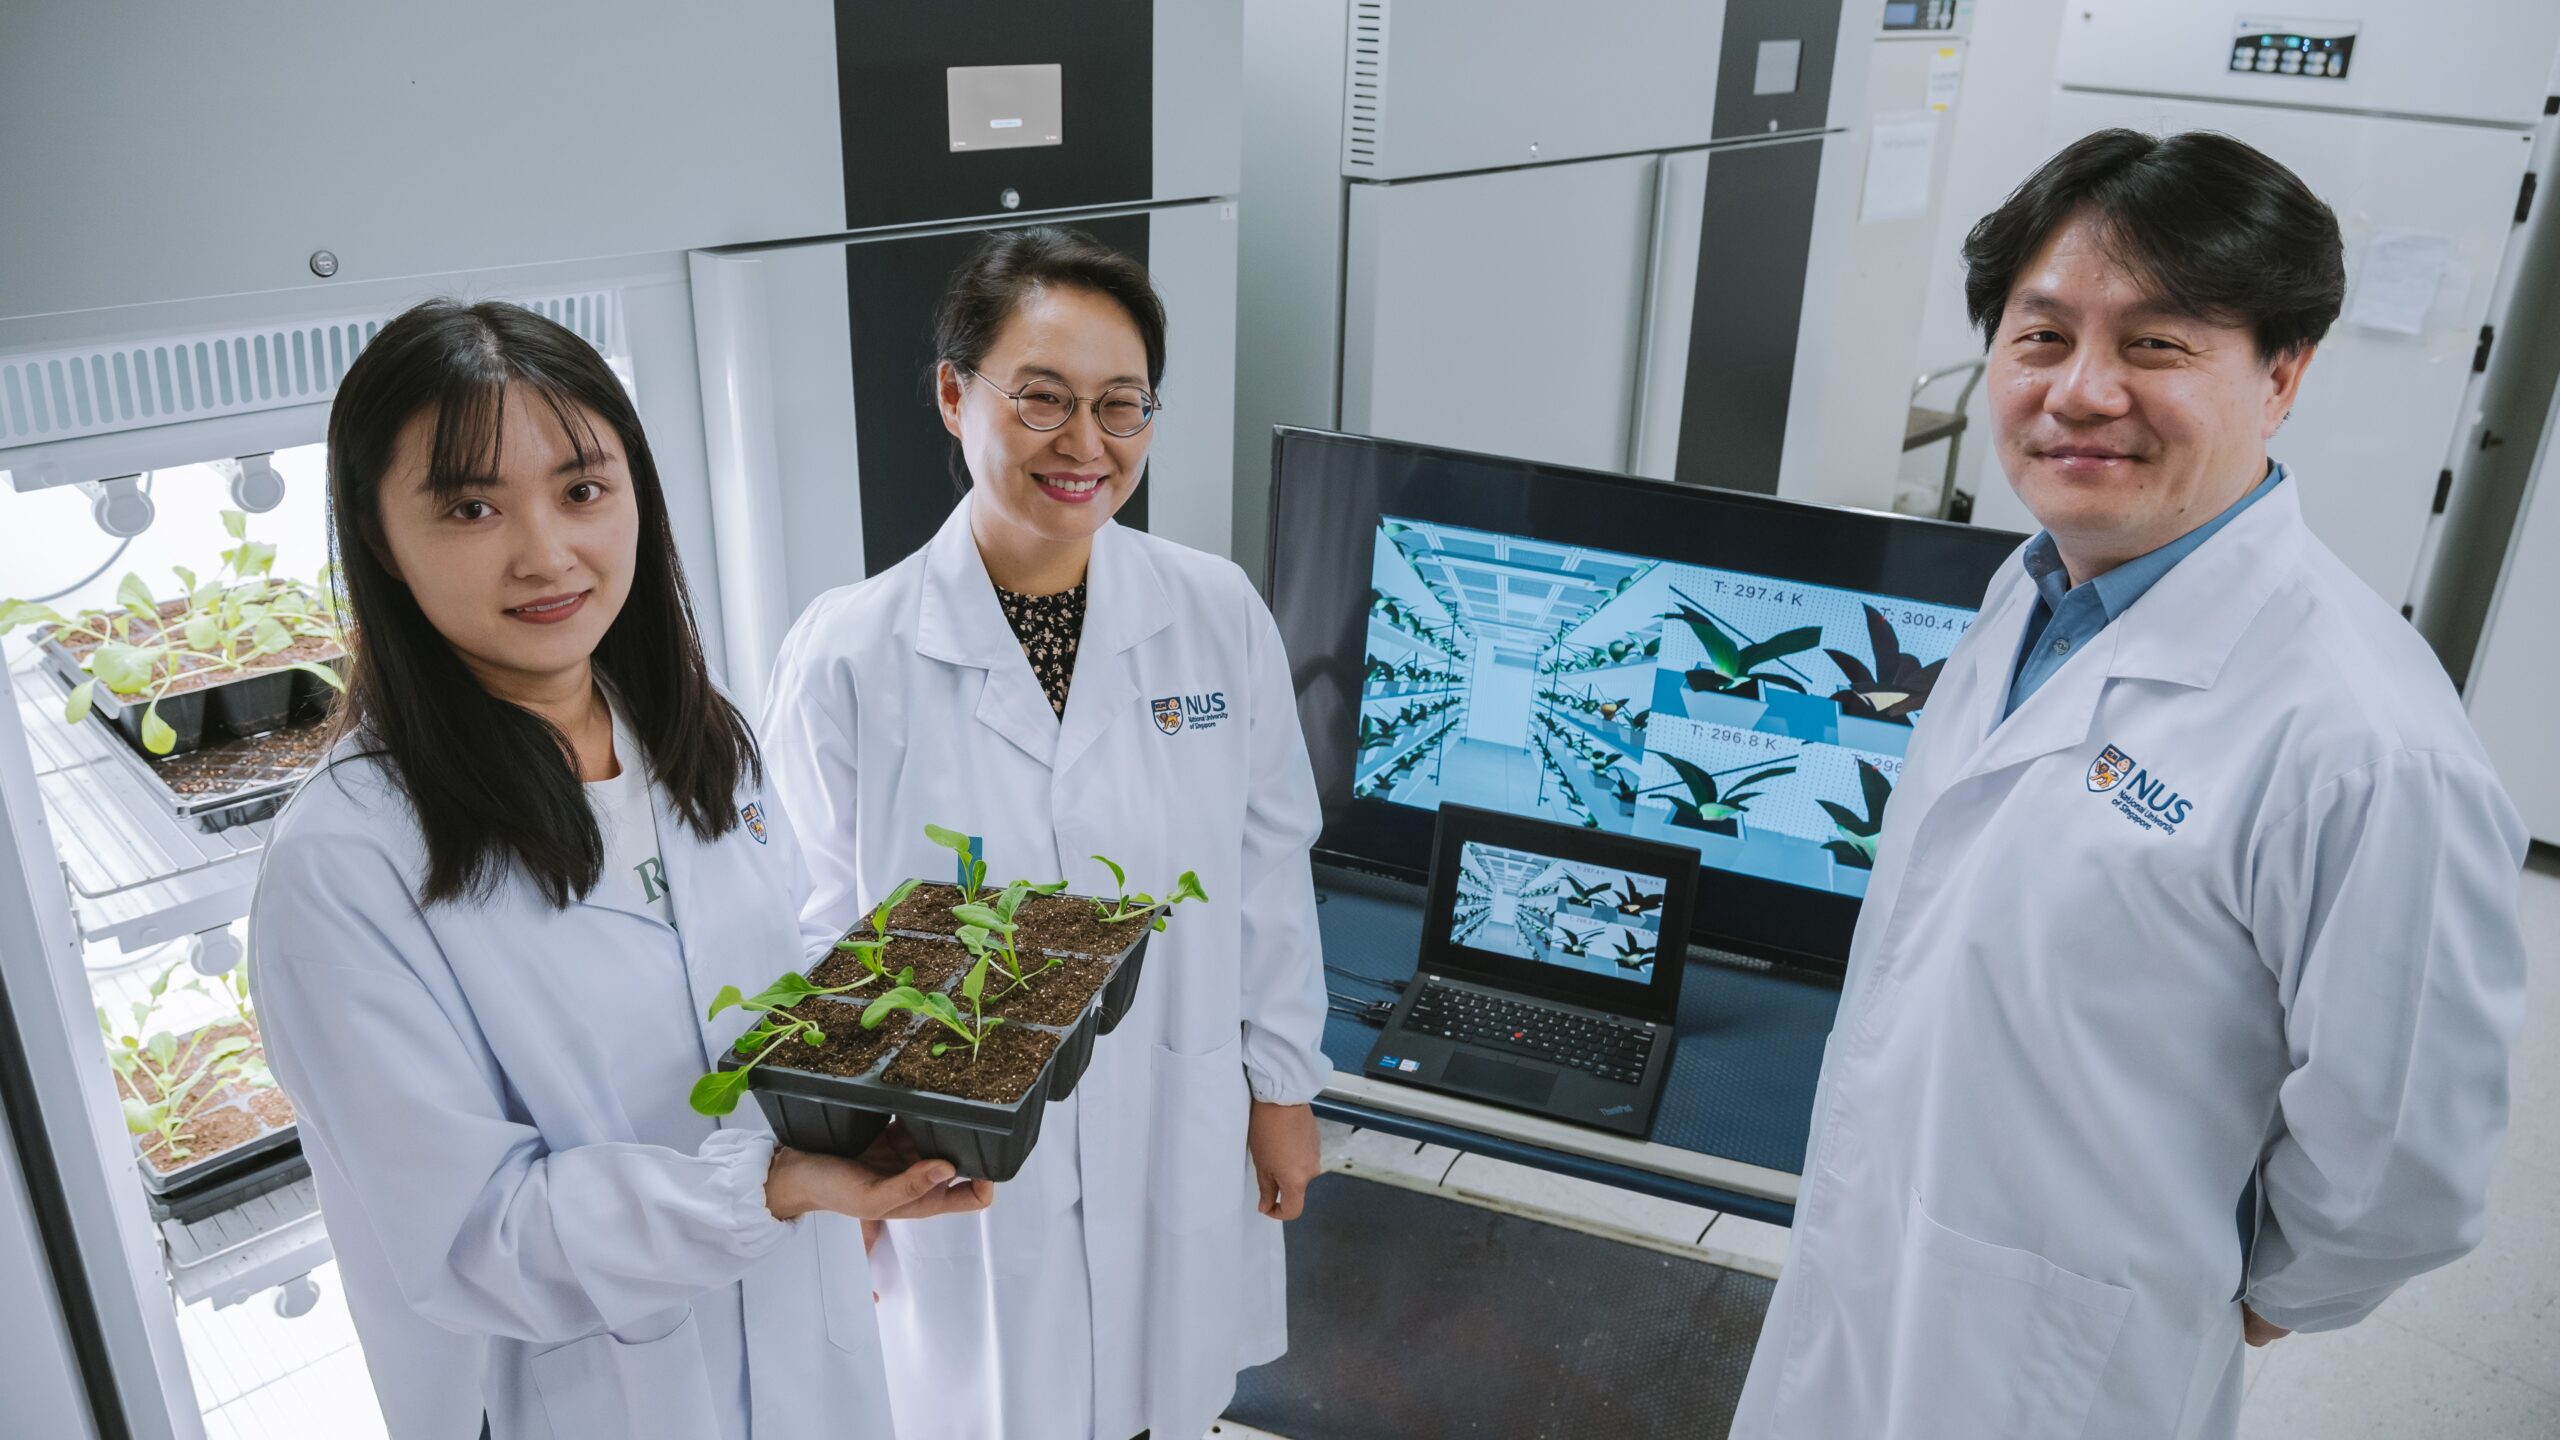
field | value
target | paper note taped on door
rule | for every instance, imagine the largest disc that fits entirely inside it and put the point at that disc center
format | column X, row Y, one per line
column 2396, row 285
column 1899, row 152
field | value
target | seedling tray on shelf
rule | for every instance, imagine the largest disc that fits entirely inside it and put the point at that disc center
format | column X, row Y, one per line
column 234, row 708
column 215, row 1180
column 842, row 1115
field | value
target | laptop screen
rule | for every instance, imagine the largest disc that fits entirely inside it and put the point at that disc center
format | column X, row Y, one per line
column 1598, row 919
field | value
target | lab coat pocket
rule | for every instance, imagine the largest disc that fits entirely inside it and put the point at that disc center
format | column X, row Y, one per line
column 844, row 1281
column 1202, row 1175
column 632, row 1390
column 1993, row 1342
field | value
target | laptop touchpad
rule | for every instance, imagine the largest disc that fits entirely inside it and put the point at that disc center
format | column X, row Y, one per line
column 1517, row 1083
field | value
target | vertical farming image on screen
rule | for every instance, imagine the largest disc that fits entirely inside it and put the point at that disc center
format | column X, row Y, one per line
column 1763, row 721
column 1557, row 912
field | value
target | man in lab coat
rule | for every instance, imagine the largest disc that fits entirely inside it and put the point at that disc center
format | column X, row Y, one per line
column 2180, row 1005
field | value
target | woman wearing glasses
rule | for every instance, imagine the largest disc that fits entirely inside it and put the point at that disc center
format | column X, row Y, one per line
column 1064, row 688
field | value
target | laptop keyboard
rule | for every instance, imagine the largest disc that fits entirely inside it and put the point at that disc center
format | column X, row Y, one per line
column 1608, row 1049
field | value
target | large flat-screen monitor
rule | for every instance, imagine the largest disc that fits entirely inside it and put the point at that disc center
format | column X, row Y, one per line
column 1731, row 672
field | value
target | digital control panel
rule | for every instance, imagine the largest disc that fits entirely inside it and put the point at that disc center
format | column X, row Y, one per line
column 2292, row 47
column 1902, row 15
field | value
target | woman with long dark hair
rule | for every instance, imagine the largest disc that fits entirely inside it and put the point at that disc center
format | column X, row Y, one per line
column 1063, row 687
column 485, row 938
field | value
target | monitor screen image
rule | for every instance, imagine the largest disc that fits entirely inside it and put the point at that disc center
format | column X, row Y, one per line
column 1592, row 918
column 1759, row 719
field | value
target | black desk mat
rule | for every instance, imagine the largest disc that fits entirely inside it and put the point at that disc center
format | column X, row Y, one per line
column 1413, row 1316
column 1741, row 1083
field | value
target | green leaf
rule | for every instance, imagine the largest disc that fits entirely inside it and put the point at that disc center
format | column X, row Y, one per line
column 973, row 938
column 1119, row 877
column 1052, row 888
column 122, row 668
column 939, row 1006
column 270, row 635
column 729, row 995
column 14, row 613
column 77, row 708
column 335, row 681
column 141, row 1118
column 980, row 916
column 1187, row 887
column 973, row 986
column 135, row 596
column 236, row 522
column 201, row 632
column 717, row 1093
column 157, row 737
column 782, row 994
column 257, row 557
column 163, row 1047
column 1791, row 642
column 951, row 840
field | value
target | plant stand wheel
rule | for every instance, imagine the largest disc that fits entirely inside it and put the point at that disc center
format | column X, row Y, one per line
column 212, row 953
column 295, row 1297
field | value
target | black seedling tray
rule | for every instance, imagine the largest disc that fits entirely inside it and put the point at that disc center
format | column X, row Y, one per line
column 218, row 1182
column 233, row 709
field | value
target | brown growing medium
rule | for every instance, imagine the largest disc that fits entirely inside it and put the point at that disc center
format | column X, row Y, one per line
column 229, row 765
column 935, row 962
column 927, row 910
column 999, row 1072
column 209, row 1133
column 1071, row 924
column 1051, row 996
column 272, row 1107
column 850, row 1050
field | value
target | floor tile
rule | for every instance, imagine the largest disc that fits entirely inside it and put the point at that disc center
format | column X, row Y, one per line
column 2380, row 1382
column 2500, row 1305
column 1579, row 1203
column 1379, row 1155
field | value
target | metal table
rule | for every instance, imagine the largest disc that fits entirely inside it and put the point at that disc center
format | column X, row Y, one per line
column 1730, row 1132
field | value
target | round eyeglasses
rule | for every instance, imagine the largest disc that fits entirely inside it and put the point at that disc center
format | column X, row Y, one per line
column 1121, row 411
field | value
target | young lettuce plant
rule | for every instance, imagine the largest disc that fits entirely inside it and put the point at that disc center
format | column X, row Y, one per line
column 990, row 931
column 169, row 1083
column 972, row 869
column 1126, row 907
column 717, row 1093
column 972, row 1028
column 868, row 952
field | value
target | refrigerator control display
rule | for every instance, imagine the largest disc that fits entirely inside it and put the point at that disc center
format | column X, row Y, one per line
column 1919, row 15
column 2303, row 49
column 1005, row 107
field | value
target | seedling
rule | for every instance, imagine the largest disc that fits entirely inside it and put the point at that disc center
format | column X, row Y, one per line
column 1898, row 685
column 1856, row 846
column 168, row 1083
column 1125, row 906
column 717, row 1093
column 868, row 952
column 1632, row 901
column 1708, row 806
column 972, row 1028
column 1633, row 954
column 989, row 930
column 973, row 870
column 1575, row 942
column 1586, row 894
column 1734, row 667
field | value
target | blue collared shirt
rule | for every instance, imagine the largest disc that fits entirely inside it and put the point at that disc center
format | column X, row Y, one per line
column 2067, row 616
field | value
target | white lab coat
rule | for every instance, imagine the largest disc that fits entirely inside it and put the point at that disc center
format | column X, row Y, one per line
column 1121, row 1280
column 528, row 1215
column 2069, row 1041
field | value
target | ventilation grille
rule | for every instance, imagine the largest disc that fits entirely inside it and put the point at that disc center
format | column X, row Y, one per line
column 66, row 394
column 1364, row 98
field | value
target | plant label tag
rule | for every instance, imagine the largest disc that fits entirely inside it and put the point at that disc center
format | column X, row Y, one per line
column 962, row 865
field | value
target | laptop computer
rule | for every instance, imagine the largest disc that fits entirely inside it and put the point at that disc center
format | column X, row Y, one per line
column 1549, row 978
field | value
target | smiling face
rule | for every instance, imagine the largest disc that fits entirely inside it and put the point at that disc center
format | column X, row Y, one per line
column 2123, row 424
column 521, row 569
column 1039, row 496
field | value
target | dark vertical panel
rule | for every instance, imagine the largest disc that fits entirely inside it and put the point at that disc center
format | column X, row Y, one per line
column 1740, row 113
column 1752, row 249
column 893, row 94
column 908, row 460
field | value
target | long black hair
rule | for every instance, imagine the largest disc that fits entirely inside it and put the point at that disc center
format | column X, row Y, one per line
column 492, row 783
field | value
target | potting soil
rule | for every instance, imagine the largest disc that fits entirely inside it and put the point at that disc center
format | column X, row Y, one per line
column 849, row 1050
column 999, row 1070
column 934, row 962
column 1050, row 996
column 1070, row 923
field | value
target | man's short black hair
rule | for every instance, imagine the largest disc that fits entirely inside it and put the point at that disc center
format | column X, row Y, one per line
column 2213, row 228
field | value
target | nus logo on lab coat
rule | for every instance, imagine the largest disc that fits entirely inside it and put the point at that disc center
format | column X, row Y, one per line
column 2137, row 794
column 1175, row 713
column 754, row 816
